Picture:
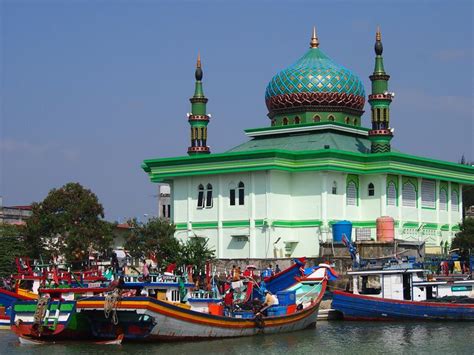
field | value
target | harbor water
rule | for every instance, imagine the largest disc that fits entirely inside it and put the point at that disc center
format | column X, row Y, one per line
column 335, row 337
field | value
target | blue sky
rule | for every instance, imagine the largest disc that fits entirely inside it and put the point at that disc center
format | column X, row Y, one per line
column 91, row 88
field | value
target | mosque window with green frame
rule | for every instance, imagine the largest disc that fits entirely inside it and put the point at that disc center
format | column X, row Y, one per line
column 443, row 196
column 316, row 118
column 455, row 197
column 352, row 190
column 392, row 190
column 428, row 194
column 410, row 192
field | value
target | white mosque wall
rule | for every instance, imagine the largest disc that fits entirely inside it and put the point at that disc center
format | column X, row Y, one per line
column 273, row 198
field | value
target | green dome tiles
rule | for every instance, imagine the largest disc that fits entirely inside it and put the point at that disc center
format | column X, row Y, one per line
column 315, row 73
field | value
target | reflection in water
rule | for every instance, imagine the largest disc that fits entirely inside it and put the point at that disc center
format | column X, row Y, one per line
column 327, row 338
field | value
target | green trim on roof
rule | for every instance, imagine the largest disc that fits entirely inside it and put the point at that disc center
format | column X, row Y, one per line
column 310, row 124
column 293, row 161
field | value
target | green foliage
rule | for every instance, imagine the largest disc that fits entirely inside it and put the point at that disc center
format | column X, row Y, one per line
column 464, row 239
column 196, row 252
column 156, row 237
column 12, row 245
column 68, row 222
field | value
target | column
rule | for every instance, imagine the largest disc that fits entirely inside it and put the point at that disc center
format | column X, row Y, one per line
column 189, row 204
column 383, row 195
column 418, row 197
column 324, row 203
column 400, row 204
column 438, row 231
column 220, row 209
column 252, row 231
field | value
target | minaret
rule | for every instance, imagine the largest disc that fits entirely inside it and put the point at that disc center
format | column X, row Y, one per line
column 198, row 119
column 380, row 99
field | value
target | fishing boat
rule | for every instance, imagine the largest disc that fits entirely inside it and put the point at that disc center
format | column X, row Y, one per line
column 404, row 291
column 165, row 319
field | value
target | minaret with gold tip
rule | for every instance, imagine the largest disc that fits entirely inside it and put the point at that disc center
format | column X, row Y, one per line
column 198, row 119
column 380, row 135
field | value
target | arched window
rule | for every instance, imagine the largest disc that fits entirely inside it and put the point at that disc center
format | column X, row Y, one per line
column 454, row 201
column 316, row 118
column 331, row 118
column 355, row 121
column 273, row 122
column 334, row 188
column 391, row 194
column 232, row 194
column 409, row 195
column 209, row 196
column 443, row 200
column 241, row 193
column 378, row 114
column 351, row 194
column 371, row 190
column 347, row 120
column 200, row 203
column 428, row 193
column 285, row 121
column 297, row 120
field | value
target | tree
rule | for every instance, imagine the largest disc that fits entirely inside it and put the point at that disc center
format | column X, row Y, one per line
column 156, row 237
column 464, row 239
column 68, row 222
column 12, row 245
column 196, row 252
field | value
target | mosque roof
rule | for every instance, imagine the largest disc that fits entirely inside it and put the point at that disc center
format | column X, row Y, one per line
column 307, row 142
column 315, row 79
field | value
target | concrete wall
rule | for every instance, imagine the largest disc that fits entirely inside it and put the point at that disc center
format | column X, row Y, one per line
column 273, row 198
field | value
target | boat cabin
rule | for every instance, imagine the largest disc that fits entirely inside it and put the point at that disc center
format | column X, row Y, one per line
column 404, row 282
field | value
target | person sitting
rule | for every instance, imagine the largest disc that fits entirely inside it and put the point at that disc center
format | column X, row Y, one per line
column 270, row 300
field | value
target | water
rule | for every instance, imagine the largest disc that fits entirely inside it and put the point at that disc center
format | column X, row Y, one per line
column 327, row 338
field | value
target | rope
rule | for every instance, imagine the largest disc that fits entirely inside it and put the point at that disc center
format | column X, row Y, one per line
column 110, row 304
column 40, row 310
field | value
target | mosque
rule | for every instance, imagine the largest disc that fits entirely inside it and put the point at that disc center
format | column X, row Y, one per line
column 279, row 193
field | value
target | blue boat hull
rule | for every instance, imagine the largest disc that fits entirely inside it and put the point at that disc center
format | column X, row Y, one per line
column 358, row 307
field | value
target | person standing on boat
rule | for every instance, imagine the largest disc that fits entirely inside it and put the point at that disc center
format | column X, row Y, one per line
column 277, row 269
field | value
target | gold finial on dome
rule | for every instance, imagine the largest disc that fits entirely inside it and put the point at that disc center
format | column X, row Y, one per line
column 198, row 64
column 314, row 39
column 378, row 35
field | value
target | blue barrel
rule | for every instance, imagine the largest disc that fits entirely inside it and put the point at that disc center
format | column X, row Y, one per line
column 340, row 228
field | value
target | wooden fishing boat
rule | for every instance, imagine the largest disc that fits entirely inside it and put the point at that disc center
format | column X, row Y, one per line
column 404, row 292
column 170, row 321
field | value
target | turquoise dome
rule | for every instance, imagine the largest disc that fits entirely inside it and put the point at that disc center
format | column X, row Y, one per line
column 315, row 73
